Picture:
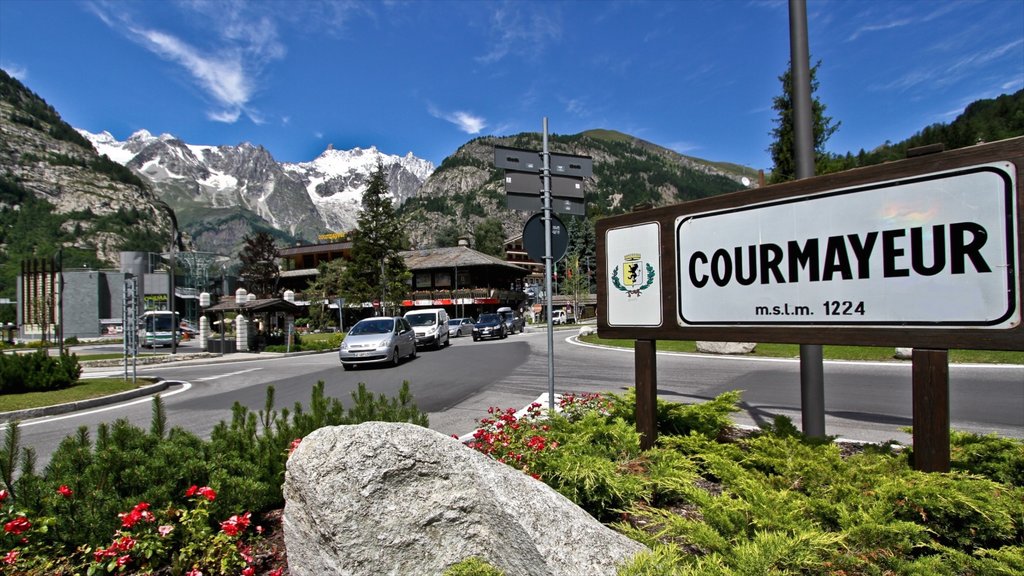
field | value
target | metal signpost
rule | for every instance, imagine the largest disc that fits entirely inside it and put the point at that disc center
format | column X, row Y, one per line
column 532, row 180
column 921, row 253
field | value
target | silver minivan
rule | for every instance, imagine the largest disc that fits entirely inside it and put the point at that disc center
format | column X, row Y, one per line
column 378, row 339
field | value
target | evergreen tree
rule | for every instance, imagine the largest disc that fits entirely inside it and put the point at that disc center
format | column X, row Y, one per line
column 784, row 136
column 583, row 251
column 259, row 269
column 325, row 288
column 489, row 238
column 376, row 270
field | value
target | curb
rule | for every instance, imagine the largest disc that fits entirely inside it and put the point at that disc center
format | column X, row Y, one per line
column 29, row 413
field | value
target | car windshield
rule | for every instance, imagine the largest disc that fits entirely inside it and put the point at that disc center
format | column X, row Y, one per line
column 374, row 326
column 489, row 318
column 455, row 321
column 421, row 319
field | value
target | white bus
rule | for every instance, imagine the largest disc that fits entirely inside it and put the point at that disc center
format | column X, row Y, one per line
column 158, row 327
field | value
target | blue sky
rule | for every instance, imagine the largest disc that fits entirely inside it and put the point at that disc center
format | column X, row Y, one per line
column 428, row 75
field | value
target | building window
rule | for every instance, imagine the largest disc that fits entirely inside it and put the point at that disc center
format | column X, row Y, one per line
column 421, row 280
column 443, row 279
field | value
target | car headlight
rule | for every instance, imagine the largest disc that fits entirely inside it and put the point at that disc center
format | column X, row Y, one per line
column 344, row 345
column 385, row 343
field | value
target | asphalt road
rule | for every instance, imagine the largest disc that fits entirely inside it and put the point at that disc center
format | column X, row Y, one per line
column 456, row 385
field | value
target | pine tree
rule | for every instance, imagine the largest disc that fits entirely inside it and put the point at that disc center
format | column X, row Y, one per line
column 377, row 271
column 259, row 265
column 781, row 149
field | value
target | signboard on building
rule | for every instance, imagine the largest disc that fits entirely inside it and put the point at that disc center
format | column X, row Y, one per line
column 921, row 253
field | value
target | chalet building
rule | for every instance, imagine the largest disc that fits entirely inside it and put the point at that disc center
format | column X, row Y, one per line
column 462, row 280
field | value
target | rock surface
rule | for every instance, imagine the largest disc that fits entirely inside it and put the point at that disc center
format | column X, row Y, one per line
column 726, row 347
column 382, row 498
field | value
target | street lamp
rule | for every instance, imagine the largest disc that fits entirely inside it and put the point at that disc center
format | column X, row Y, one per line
column 170, row 275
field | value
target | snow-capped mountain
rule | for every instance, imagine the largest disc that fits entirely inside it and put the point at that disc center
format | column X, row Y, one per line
column 208, row 186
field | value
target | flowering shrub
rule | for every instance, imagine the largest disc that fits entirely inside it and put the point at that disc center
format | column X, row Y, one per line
column 147, row 540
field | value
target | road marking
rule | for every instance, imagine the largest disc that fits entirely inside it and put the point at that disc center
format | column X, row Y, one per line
column 219, row 376
column 44, row 419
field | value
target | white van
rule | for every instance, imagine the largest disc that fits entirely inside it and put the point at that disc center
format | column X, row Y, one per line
column 431, row 327
column 561, row 317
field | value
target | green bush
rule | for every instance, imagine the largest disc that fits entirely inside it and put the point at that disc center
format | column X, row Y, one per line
column 37, row 372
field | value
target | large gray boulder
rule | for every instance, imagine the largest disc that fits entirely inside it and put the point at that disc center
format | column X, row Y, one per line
column 725, row 347
column 382, row 498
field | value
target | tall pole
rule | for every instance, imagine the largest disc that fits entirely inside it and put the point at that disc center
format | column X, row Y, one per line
column 546, row 192
column 812, row 373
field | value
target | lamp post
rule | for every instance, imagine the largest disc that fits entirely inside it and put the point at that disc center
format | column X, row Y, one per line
column 170, row 275
column 204, row 322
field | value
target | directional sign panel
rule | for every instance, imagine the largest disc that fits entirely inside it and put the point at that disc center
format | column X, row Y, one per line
column 532, row 161
column 516, row 159
column 525, row 183
column 534, row 202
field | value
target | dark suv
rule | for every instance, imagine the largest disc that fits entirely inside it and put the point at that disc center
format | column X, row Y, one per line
column 489, row 326
column 514, row 321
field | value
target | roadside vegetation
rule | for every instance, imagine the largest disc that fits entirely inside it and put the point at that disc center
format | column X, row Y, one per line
column 709, row 498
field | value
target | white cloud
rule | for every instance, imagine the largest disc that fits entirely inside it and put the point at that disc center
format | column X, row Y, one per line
column 228, row 73
column 465, row 121
column 683, row 147
column 15, row 71
column 521, row 28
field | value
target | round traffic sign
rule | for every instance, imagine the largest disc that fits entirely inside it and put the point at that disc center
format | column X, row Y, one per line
column 533, row 237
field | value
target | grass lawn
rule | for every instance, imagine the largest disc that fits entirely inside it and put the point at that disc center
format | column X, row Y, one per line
column 84, row 390
column 870, row 353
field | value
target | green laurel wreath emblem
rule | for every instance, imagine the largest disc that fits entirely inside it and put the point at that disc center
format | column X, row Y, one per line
column 636, row 292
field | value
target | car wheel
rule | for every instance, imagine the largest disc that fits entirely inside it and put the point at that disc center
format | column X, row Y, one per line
column 448, row 341
column 476, row 339
column 412, row 355
column 396, row 359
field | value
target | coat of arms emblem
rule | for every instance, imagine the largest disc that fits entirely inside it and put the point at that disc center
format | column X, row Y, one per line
column 637, row 275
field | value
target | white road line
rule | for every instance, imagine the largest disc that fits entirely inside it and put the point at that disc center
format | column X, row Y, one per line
column 44, row 419
column 219, row 376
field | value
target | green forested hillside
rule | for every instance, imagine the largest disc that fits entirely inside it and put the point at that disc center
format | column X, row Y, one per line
column 982, row 121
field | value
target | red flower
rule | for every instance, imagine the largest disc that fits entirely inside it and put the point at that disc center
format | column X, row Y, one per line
column 3, row 495
column 295, row 444
column 276, row 572
column 65, row 491
column 11, row 557
column 139, row 512
column 248, row 571
column 123, row 560
column 205, row 492
column 236, row 524
column 197, row 572
column 18, row 525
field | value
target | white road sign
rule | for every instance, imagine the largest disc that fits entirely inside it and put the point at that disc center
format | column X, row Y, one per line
column 633, row 257
column 933, row 250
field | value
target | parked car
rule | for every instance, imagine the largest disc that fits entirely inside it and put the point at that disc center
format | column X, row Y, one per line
column 513, row 320
column 378, row 339
column 489, row 325
column 431, row 326
column 460, row 327
column 562, row 317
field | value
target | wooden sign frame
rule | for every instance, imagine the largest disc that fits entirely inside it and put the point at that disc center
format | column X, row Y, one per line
column 912, row 336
